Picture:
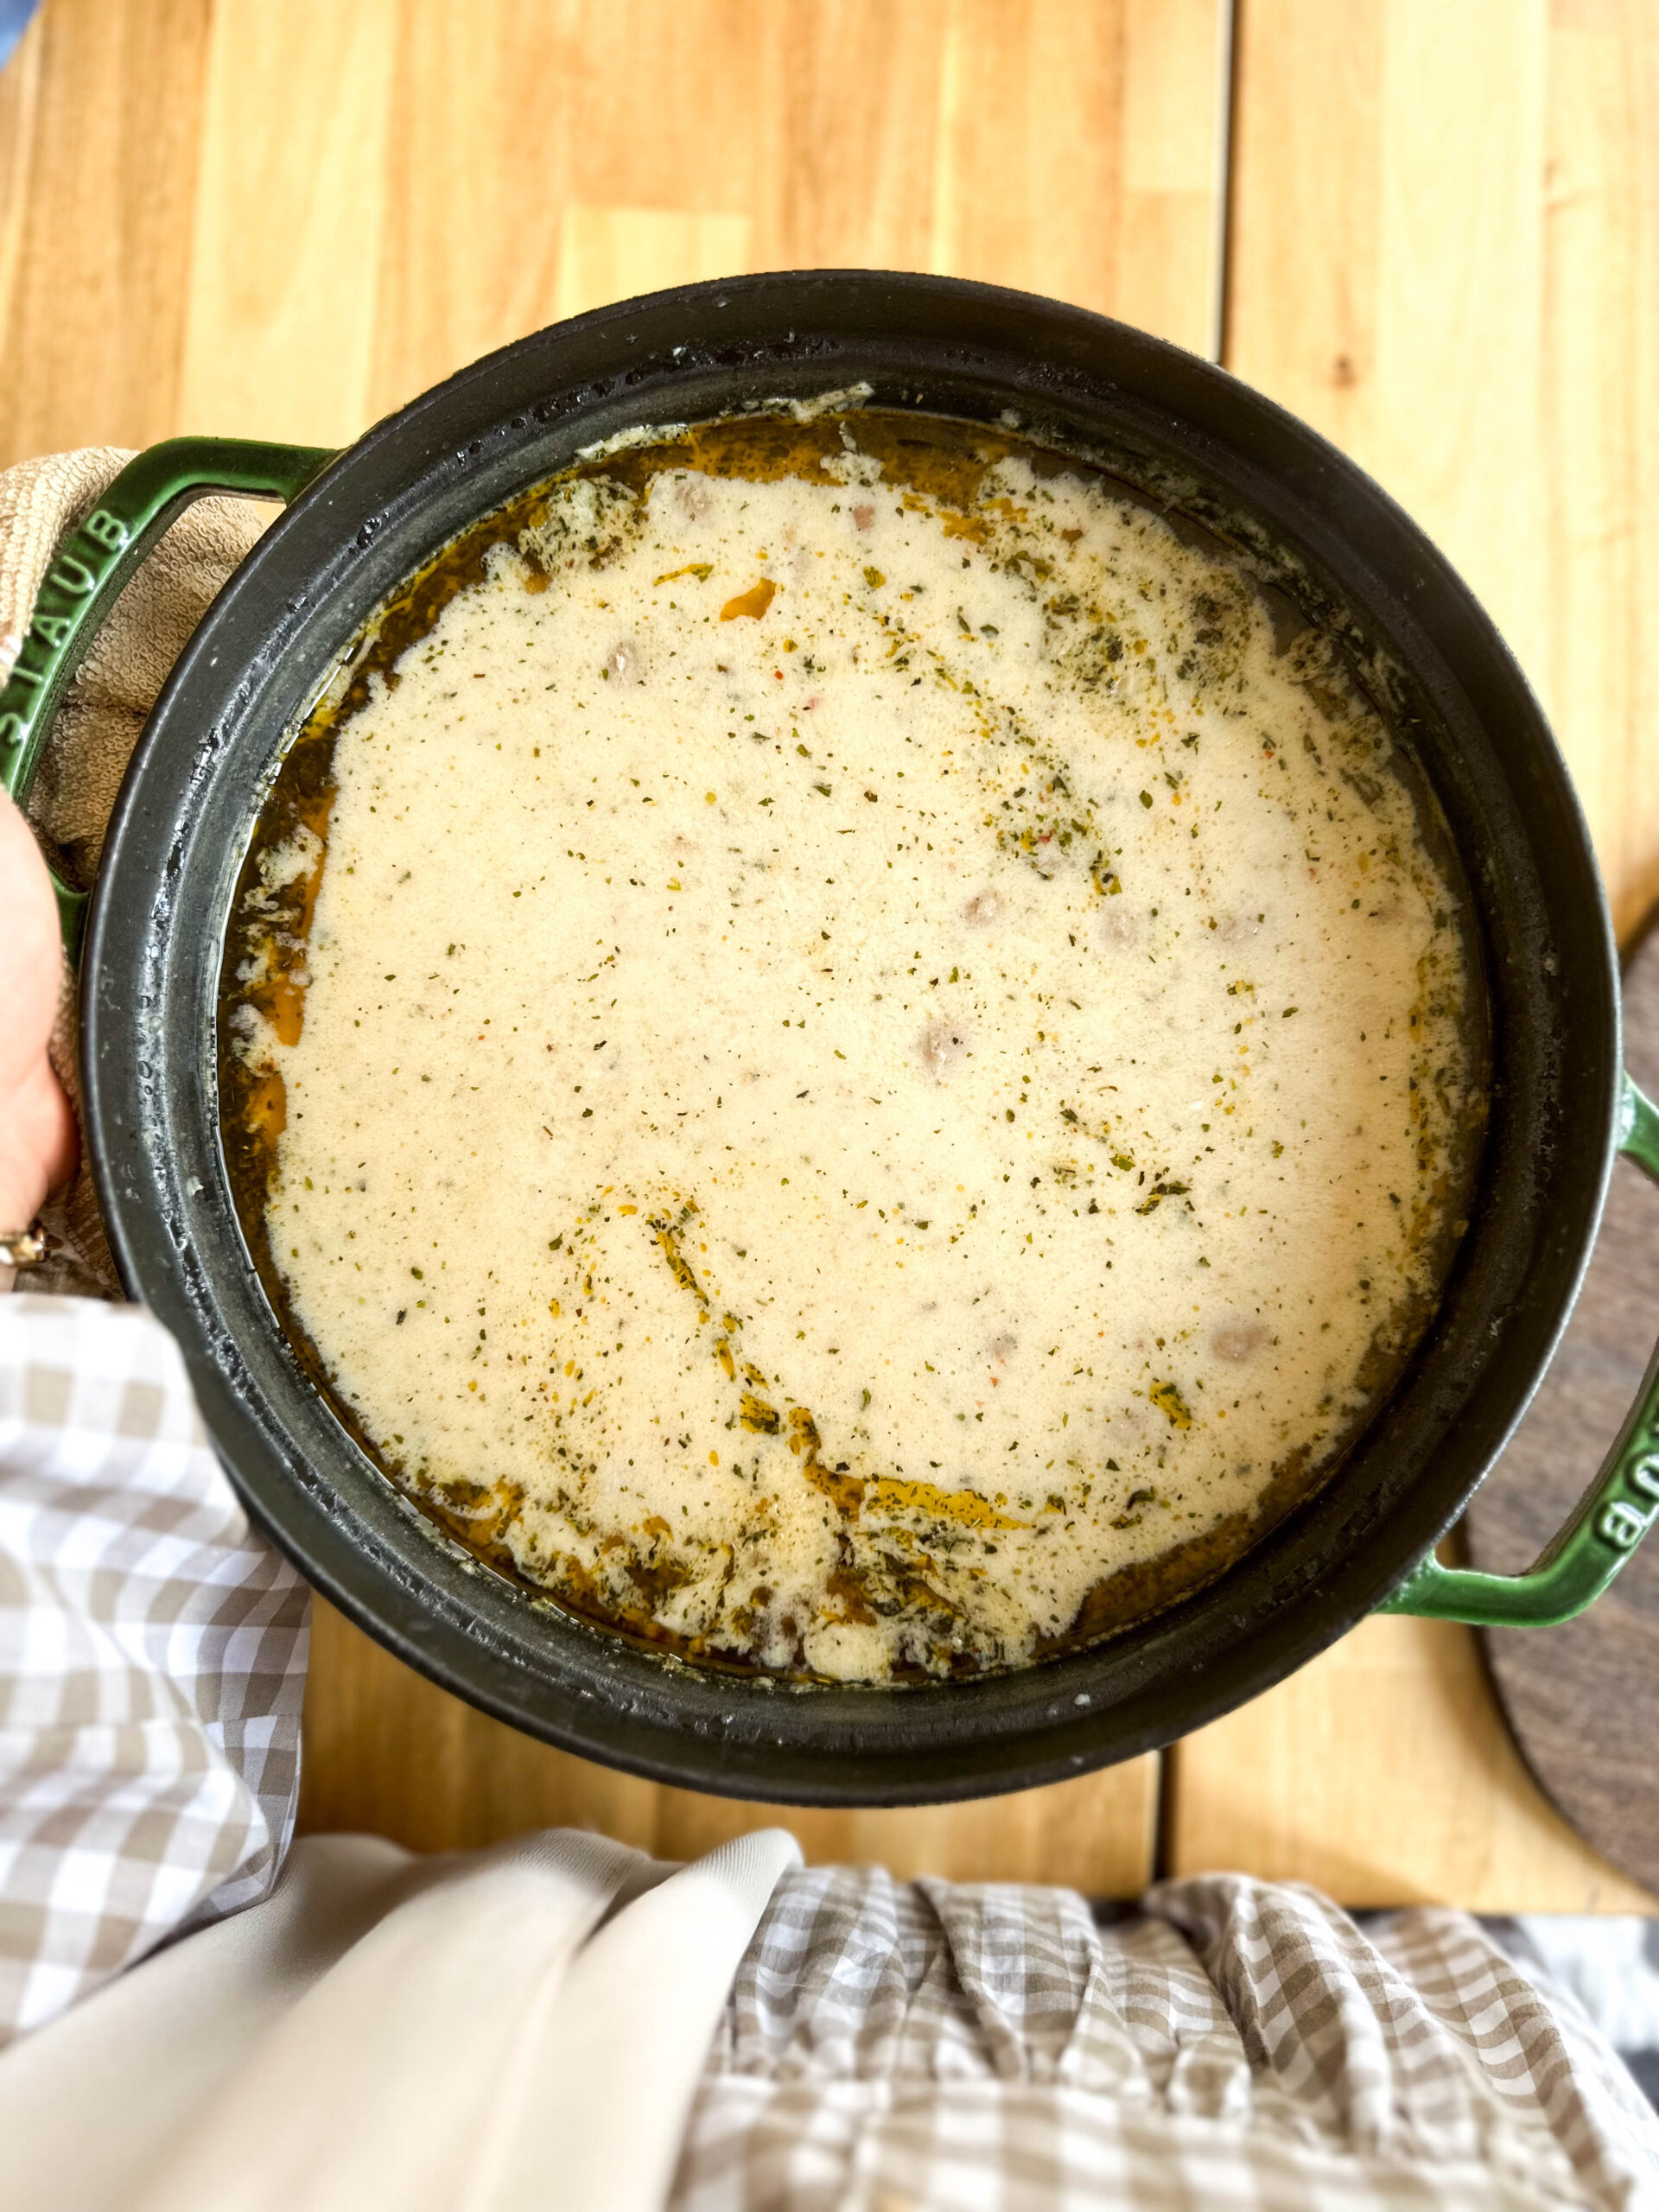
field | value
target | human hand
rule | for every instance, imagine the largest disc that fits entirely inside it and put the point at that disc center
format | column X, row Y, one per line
column 39, row 1142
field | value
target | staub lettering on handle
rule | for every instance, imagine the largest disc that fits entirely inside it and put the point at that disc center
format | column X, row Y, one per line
column 88, row 572
column 1625, row 1522
column 66, row 595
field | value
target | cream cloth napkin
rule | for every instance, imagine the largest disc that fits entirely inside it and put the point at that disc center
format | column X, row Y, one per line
column 480, row 2032
column 95, row 731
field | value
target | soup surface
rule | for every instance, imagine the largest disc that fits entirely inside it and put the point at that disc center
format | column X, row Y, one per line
column 847, row 1054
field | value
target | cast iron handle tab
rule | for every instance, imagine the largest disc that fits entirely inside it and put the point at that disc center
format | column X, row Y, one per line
column 1610, row 1519
column 86, row 577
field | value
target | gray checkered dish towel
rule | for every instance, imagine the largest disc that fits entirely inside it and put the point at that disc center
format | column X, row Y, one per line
column 348, row 2026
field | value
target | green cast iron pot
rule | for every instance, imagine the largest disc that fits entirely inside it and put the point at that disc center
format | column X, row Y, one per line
column 1173, row 429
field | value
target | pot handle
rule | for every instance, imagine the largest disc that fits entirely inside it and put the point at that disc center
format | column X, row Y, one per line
column 92, row 566
column 1611, row 1518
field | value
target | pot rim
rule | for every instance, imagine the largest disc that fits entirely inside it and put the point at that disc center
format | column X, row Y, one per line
column 373, row 1581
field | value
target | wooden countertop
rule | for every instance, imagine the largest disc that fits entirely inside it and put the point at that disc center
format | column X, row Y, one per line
column 1432, row 231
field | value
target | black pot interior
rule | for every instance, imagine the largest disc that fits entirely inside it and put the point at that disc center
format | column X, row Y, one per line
column 1196, row 443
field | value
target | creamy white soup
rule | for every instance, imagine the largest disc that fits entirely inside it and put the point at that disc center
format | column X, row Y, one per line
column 864, row 1059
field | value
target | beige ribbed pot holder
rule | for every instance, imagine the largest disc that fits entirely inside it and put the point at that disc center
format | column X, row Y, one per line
column 97, row 728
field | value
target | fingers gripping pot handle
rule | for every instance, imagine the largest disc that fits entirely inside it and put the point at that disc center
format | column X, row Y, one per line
column 1610, row 1519
column 85, row 580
